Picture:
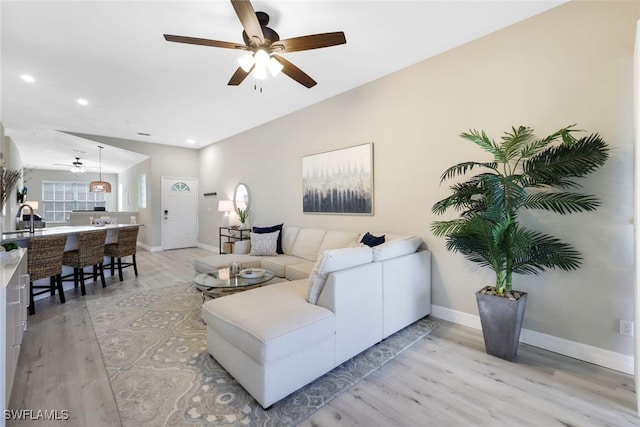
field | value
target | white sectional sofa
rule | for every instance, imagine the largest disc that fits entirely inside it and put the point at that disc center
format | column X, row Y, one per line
column 342, row 299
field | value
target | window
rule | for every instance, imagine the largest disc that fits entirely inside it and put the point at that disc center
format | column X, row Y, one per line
column 180, row 186
column 142, row 192
column 61, row 198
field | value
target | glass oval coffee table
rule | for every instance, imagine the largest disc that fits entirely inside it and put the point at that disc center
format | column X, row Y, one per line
column 221, row 282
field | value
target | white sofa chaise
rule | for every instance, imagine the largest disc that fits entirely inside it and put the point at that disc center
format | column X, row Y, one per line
column 276, row 339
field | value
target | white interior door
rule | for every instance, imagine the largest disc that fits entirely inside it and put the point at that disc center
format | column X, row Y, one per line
column 179, row 212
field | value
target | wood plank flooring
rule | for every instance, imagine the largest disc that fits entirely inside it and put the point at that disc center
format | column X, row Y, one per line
column 444, row 380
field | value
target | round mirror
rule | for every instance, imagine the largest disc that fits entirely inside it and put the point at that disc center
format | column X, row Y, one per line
column 241, row 197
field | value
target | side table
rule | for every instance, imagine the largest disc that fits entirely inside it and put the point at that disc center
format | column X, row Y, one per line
column 232, row 235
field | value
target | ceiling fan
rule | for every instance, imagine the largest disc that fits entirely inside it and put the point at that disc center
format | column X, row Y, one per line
column 265, row 44
column 76, row 166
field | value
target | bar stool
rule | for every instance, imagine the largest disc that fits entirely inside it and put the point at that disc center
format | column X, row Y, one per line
column 44, row 259
column 90, row 253
column 126, row 245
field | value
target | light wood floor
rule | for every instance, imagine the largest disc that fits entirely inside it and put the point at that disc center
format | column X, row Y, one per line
column 444, row 380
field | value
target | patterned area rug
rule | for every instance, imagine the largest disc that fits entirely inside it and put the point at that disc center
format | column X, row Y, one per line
column 154, row 349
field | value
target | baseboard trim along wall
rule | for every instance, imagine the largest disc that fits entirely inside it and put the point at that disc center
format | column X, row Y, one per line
column 587, row 353
column 208, row 247
column 150, row 248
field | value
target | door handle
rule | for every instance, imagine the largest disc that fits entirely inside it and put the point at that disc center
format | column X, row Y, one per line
column 166, row 212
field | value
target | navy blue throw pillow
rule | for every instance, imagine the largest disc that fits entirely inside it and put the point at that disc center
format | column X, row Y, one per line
column 371, row 240
column 273, row 228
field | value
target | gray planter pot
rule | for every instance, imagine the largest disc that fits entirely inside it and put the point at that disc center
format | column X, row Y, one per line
column 501, row 320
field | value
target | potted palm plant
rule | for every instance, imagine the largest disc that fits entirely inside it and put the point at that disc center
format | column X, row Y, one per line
column 525, row 172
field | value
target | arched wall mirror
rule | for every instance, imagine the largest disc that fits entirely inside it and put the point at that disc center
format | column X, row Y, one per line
column 241, row 197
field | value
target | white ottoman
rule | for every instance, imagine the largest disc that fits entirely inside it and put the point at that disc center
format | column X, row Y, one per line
column 270, row 339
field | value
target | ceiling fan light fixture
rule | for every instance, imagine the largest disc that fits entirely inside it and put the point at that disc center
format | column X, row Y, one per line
column 77, row 169
column 246, row 62
column 275, row 67
column 260, row 73
column 262, row 59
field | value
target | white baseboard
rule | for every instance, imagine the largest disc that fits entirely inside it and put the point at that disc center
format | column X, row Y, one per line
column 208, row 247
column 580, row 351
column 150, row 248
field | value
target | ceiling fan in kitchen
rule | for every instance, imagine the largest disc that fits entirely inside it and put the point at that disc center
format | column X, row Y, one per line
column 264, row 46
column 77, row 166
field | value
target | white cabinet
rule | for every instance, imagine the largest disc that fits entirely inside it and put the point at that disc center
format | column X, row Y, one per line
column 14, row 299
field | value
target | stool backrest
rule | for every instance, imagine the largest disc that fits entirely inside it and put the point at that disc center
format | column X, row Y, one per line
column 127, row 241
column 91, row 247
column 44, row 256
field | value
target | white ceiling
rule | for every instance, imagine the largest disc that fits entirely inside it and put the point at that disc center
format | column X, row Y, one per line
column 113, row 54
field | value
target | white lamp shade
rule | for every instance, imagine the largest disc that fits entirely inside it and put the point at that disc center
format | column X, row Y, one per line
column 246, row 62
column 225, row 206
column 259, row 73
column 262, row 59
column 275, row 67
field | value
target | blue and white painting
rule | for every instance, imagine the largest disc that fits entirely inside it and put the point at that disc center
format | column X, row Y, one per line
column 339, row 182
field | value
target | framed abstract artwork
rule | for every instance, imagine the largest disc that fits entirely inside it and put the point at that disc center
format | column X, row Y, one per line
column 339, row 181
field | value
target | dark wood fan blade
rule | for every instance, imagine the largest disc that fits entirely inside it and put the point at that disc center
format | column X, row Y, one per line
column 239, row 76
column 314, row 41
column 203, row 42
column 249, row 21
column 295, row 73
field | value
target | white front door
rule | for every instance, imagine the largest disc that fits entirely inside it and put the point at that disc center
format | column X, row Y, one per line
column 179, row 213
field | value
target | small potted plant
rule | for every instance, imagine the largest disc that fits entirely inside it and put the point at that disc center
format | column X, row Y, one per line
column 525, row 172
column 243, row 214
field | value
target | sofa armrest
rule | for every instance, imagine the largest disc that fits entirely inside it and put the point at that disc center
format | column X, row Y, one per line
column 406, row 284
column 242, row 247
column 355, row 296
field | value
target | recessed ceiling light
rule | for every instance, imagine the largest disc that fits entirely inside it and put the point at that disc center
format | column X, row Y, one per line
column 82, row 101
column 27, row 78
column 191, row 141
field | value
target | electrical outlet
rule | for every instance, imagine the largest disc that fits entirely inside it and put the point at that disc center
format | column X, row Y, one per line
column 626, row 327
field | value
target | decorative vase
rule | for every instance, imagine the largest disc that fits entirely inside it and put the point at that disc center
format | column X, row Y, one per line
column 501, row 320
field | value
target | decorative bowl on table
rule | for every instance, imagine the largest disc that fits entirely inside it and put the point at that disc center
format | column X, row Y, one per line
column 252, row 273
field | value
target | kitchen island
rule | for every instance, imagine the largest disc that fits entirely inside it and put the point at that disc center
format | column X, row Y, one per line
column 22, row 237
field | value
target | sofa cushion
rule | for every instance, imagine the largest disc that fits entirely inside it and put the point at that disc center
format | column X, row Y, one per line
column 397, row 247
column 371, row 240
column 299, row 270
column 334, row 260
column 269, row 323
column 289, row 235
column 279, row 264
column 308, row 243
column 271, row 229
column 242, row 247
column 264, row 244
column 338, row 239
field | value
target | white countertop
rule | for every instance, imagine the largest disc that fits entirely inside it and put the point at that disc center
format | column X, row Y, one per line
column 8, row 265
column 23, row 236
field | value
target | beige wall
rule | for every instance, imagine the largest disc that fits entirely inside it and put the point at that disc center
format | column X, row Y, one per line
column 572, row 64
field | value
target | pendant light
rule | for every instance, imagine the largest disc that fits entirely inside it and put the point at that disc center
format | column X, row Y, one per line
column 100, row 186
